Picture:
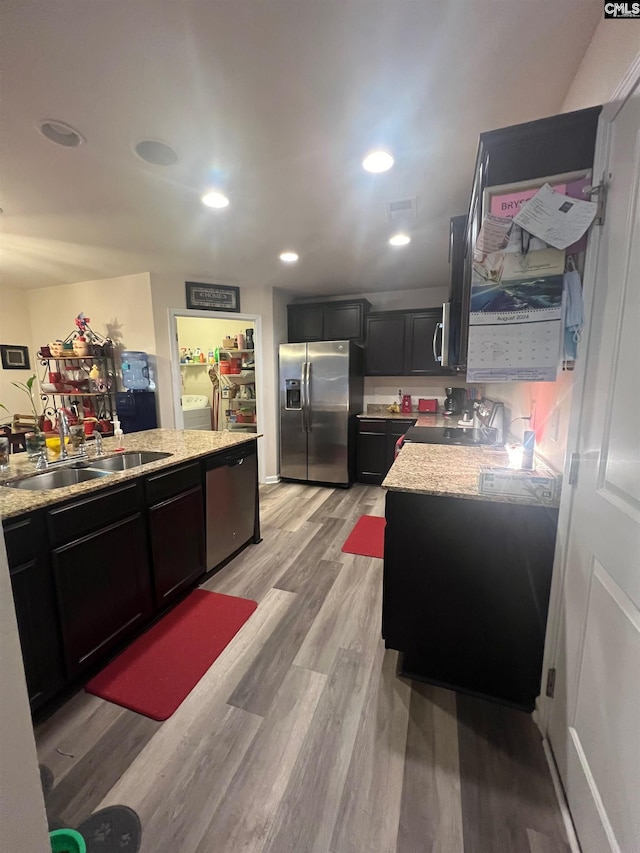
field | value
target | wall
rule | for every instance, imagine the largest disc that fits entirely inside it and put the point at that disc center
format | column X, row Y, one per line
column 23, row 823
column 119, row 308
column 612, row 49
column 15, row 328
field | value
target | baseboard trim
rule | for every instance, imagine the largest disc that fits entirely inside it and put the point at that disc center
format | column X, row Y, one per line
column 274, row 478
column 562, row 800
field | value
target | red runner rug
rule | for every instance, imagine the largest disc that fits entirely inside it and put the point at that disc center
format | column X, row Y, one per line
column 157, row 672
column 367, row 537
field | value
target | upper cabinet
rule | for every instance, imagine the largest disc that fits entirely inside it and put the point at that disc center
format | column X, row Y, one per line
column 400, row 343
column 327, row 321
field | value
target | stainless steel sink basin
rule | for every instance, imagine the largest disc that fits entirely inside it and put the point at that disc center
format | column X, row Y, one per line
column 55, row 479
column 124, row 461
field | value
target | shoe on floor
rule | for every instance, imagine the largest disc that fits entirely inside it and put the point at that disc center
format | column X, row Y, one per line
column 115, row 829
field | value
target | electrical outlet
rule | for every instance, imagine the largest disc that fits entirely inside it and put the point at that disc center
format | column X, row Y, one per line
column 553, row 424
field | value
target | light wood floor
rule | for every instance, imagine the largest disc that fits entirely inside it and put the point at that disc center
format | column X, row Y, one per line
column 301, row 737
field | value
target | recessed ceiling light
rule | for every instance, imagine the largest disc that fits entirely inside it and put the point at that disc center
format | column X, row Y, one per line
column 400, row 240
column 156, row 152
column 61, row 133
column 288, row 257
column 214, row 198
column 377, row 161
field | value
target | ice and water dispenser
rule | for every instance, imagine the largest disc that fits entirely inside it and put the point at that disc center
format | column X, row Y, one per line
column 293, row 399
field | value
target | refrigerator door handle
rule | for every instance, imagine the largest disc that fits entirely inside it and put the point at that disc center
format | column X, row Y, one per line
column 304, row 395
column 307, row 383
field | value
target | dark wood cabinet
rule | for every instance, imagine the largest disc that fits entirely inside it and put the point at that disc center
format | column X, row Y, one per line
column 419, row 359
column 326, row 321
column 466, row 590
column 377, row 439
column 400, row 343
column 104, row 590
column 176, row 530
column 35, row 604
column 384, row 353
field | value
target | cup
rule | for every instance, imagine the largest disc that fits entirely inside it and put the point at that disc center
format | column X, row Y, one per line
column 35, row 443
column 89, row 427
column 78, row 439
column 4, row 453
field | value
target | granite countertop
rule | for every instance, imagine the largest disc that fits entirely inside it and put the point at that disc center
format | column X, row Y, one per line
column 451, row 471
column 184, row 445
column 422, row 419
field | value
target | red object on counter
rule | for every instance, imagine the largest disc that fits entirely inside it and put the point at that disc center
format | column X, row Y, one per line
column 427, row 405
column 405, row 408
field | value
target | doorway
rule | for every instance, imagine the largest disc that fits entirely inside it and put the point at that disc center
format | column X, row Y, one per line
column 217, row 386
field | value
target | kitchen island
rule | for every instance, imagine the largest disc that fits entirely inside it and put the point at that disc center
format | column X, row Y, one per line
column 466, row 575
column 94, row 563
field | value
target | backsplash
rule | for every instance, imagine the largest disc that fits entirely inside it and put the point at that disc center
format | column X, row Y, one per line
column 383, row 390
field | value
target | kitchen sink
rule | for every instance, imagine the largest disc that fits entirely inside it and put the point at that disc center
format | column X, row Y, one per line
column 123, row 461
column 55, row 479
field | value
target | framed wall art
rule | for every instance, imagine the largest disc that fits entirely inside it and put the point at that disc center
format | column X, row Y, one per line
column 212, row 297
column 14, row 357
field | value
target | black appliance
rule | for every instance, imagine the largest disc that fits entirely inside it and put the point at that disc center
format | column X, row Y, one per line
column 136, row 410
column 455, row 401
column 490, row 429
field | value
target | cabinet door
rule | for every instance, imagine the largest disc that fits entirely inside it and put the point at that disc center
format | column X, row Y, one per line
column 372, row 451
column 385, row 344
column 36, row 613
column 395, row 429
column 104, row 591
column 343, row 322
column 419, row 360
column 176, row 528
column 304, row 323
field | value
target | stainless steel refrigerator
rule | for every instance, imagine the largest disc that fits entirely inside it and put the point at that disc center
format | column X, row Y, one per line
column 321, row 387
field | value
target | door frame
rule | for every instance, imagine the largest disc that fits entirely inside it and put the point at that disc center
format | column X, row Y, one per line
column 176, row 384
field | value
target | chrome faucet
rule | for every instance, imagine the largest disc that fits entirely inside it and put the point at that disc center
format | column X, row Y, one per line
column 63, row 432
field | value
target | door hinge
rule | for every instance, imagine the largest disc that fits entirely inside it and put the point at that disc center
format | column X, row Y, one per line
column 599, row 190
column 551, row 682
column 574, row 466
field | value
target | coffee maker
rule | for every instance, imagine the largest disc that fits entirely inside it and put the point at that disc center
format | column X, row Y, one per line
column 454, row 401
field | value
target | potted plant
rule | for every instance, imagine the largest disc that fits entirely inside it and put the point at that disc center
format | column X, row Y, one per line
column 27, row 387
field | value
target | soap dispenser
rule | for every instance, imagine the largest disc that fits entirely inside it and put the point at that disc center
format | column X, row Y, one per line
column 117, row 433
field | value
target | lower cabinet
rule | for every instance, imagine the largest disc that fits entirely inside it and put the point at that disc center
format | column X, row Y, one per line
column 377, row 439
column 466, row 590
column 104, row 590
column 35, row 604
column 176, row 530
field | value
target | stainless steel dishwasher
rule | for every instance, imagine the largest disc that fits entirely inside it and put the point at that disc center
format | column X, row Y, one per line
column 232, row 478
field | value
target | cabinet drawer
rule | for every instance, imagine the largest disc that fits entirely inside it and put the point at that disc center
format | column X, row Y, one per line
column 167, row 484
column 92, row 513
column 365, row 426
column 24, row 537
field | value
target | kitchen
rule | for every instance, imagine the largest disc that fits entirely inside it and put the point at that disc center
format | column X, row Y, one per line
column 103, row 272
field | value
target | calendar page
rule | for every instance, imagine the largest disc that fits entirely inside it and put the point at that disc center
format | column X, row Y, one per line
column 514, row 352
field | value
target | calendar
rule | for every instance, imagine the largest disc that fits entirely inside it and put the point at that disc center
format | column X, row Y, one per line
column 516, row 352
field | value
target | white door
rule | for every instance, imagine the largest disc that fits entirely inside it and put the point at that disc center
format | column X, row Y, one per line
column 594, row 718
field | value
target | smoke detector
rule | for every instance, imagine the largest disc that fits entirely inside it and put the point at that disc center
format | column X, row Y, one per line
column 403, row 210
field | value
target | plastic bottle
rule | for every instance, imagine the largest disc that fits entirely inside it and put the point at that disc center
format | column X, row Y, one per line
column 117, row 434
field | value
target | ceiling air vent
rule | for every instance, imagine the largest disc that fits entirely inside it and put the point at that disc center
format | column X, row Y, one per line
column 403, row 210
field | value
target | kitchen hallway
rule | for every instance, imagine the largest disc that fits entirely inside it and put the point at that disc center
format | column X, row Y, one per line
column 300, row 737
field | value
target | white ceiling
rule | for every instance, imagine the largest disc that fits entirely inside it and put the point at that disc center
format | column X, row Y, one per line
column 276, row 101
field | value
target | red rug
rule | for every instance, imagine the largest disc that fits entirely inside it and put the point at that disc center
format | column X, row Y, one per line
column 157, row 672
column 367, row 537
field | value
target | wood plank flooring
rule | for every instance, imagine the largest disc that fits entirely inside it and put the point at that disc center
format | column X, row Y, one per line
column 301, row 737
